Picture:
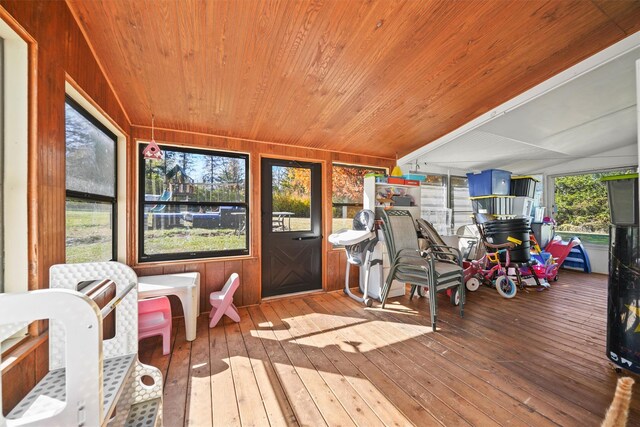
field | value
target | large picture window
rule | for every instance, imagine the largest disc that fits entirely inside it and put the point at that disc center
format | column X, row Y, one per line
column 91, row 187
column 581, row 206
column 347, row 193
column 193, row 204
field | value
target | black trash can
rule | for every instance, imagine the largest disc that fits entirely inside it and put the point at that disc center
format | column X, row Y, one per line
column 623, row 314
column 514, row 230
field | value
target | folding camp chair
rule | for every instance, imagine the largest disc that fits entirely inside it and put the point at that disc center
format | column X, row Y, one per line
column 438, row 269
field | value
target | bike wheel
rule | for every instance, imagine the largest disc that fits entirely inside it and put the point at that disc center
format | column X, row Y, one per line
column 506, row 287
column 473, row 284
column 455, row 297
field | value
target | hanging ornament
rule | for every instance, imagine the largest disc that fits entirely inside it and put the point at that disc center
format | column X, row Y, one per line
column 152, row 151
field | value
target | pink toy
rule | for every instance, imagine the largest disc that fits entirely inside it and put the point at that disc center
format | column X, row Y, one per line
column 559, row 250
column 222, row 301
column 154, row 318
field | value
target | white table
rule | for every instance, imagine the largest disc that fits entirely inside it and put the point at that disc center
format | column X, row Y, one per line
column 185, row 286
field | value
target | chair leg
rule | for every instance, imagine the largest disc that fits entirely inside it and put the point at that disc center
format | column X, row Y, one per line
column 216, row 317
column 166, row 340
column 212, row 312
column 413, row 291
column 461, row 291
column 232, row 312
column 433, row 306
column 387, row 286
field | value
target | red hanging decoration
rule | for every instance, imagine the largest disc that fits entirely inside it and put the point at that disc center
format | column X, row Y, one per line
column 152, row 151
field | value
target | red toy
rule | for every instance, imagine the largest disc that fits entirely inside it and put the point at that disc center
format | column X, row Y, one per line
column 559, row 250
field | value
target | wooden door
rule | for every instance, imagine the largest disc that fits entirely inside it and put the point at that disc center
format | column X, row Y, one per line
column 291, row 227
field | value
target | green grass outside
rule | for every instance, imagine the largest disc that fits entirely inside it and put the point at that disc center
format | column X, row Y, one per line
column 183, row 239
column 89, row 236
column 589, row 238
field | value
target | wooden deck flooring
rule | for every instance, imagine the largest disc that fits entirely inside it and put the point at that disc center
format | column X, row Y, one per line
column 323, row 359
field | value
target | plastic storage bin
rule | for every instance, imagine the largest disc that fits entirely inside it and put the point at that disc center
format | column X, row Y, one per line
column 522, row 206
column 415, row 177
column 623, row 198
column 489, row 182
column 523, row 186
column 395, row 180
column 493, row 205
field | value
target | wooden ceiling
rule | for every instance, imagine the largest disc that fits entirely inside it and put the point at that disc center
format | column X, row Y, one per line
column 367, row 77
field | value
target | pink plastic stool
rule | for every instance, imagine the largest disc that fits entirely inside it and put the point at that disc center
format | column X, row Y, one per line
column 154, row 318
column 222, row 301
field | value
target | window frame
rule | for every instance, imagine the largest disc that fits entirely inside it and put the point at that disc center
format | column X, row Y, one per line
column 176, row 256
column 334, row 204
column 92, row 197
column 549, row 198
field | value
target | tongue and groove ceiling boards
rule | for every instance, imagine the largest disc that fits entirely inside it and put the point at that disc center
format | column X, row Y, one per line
column 368, row 77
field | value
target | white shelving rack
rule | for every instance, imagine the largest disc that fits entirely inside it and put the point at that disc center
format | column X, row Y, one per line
column 433, row 207
column 372, row 191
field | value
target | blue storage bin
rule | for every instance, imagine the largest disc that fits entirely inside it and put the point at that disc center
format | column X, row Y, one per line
column 491, row 182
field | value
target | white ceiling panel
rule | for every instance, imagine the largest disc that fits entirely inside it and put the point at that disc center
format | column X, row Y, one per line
column 591, row 117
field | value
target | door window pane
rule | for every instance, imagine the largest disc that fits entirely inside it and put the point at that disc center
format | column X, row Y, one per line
column 89, row 226
column 90, row 156
column 291, row 199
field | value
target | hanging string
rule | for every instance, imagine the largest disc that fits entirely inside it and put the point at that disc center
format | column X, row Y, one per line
column 152, row 151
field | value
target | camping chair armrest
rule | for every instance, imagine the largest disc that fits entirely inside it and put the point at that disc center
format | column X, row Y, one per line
column 450, row 251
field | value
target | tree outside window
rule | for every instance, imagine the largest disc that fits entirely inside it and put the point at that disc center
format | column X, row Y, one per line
column 582, row 206
column 347, row 193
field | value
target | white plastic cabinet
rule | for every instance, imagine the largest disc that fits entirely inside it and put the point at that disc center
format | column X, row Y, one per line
column 434, row 207
column 373, row 192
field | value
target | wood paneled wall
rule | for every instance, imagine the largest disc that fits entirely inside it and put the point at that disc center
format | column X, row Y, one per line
column 58, row 52
column 214, row 272
column 62, row 54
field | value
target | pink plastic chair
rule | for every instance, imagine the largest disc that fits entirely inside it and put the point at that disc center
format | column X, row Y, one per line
column 154, row 318
column 222, row 301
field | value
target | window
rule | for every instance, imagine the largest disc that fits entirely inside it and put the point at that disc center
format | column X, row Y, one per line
column 193, row 204
column 91, row 187
column 1, row 166
column 581, row 206
column 347, row 193
column 14, row 145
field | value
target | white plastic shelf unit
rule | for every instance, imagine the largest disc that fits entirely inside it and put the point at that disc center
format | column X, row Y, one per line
column 433, row 207
column 462, row 208
column 372, row 192
column 90, row 382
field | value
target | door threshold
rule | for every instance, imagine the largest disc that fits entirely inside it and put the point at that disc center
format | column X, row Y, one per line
column 292, row 295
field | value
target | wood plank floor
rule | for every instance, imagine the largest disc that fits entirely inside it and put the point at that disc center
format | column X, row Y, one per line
column 323, row 359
